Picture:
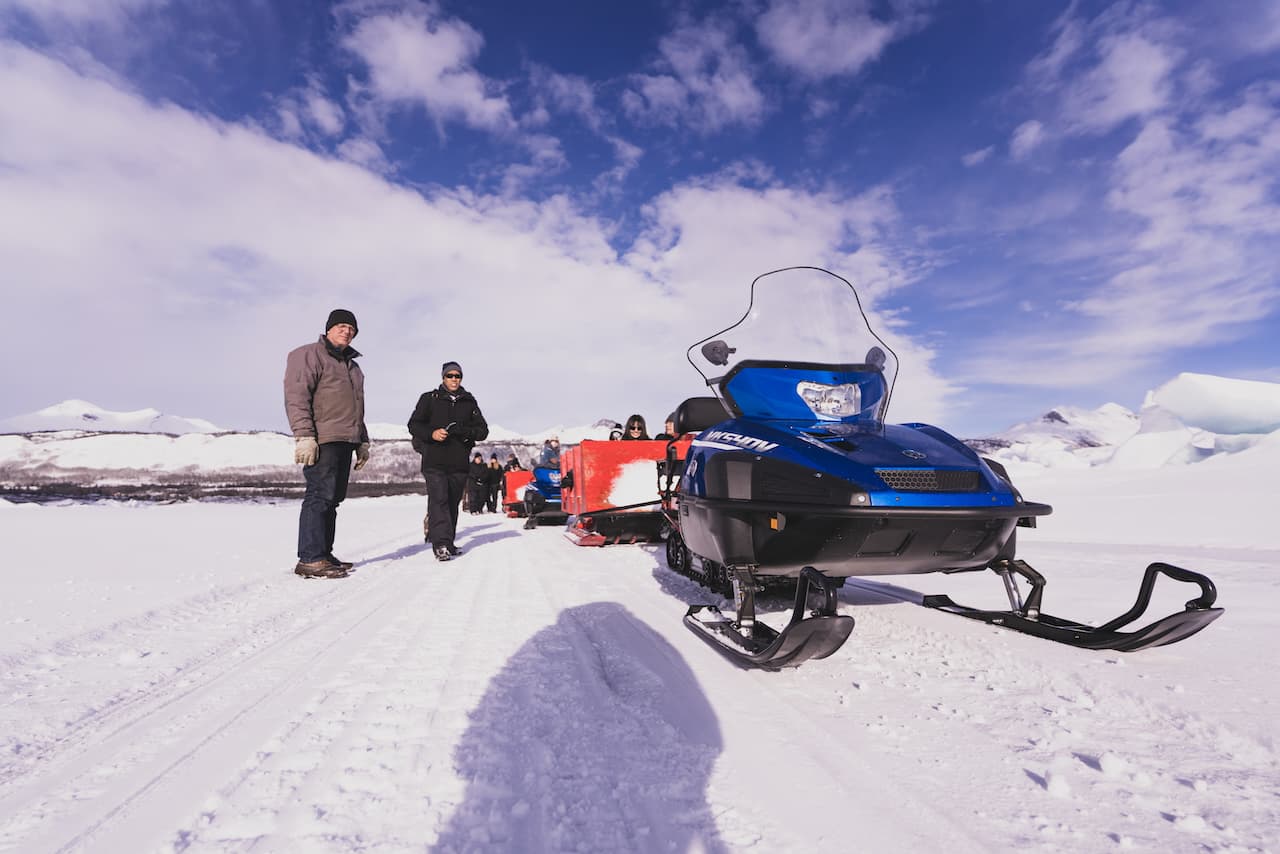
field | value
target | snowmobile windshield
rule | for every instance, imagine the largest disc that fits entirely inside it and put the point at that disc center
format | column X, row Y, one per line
column 804, row 351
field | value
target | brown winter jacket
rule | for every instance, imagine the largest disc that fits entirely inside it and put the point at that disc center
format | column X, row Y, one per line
column 324, row 393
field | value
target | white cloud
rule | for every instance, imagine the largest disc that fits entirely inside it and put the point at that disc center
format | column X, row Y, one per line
column 1190, row 255
column 1069, row 41
column 546, row 156
column 567, row 93
column 364, row 152
column 829, row 38
column 416, row 56
column 80, row 12
column 1267, row 33
column 1114, row 68
column 288, row 123
column 1251, row 26
column 308, row 108
column 706, row 82
column 1181, row 255
column 1027, row 137
column 628, row 157
column 820, row 108
column 973, row 158
column 324, row 113
column 163, row 258
column 1130, row 80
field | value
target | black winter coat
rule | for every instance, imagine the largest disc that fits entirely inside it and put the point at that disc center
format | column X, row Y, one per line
column 464, row 420
column 496, row 477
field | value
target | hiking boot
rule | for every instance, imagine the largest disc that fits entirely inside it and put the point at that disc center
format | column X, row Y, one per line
column 345, row 564
column 443, row 553
column 319, row 569
column 453, row 550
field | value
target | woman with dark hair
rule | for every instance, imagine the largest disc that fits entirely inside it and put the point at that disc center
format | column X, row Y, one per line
column 635, row 429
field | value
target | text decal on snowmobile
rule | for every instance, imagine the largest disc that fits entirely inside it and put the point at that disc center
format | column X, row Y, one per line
column 751, row 443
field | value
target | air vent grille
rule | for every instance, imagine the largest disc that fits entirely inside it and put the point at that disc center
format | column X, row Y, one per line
column 931, row 480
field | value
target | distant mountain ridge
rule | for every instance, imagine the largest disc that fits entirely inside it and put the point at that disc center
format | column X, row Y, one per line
column 1188, row 419
column 78, row 448
column 91, row 418
column 83, row 416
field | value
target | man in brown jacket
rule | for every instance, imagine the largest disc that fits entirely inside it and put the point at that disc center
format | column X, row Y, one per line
column 324, row 399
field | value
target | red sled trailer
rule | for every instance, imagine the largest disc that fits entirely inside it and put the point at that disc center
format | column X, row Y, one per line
column 611, row 490
column 515, row 482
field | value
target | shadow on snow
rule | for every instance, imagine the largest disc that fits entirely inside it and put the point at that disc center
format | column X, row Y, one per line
column 595, row 736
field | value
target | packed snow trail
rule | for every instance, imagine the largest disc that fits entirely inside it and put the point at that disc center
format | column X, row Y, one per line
column 534, row 696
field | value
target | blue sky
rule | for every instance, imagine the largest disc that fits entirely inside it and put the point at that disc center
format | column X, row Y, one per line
column 1043, row 203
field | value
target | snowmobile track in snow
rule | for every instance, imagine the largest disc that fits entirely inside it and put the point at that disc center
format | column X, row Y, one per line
column 174, row 726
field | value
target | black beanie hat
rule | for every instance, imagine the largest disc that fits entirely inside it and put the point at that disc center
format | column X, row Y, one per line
column 341, row 315
column 450, row 366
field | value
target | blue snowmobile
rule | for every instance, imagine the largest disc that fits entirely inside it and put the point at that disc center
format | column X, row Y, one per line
column 542, row 497
column 796, row 478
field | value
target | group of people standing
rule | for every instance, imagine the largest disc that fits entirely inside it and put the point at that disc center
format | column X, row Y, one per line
column 485, row 484
column 324, row 401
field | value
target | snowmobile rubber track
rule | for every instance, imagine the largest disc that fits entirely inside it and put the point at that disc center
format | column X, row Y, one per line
column 1028, row 620
column 760, row 646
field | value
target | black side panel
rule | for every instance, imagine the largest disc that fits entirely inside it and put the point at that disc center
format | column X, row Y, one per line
column 746, row 476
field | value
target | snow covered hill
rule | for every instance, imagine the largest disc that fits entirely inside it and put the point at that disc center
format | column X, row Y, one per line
column 1190, row 419
column 78, row 449
column 1067, row 437
column 84, row 416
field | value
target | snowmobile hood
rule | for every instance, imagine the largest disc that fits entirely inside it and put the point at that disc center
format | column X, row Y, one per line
column 893, row 444
column 547, row 481
column 892, row 465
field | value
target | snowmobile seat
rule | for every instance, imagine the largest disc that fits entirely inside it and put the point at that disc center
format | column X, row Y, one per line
column 698, row 413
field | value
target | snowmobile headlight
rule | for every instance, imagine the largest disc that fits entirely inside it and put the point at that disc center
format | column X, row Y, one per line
column 831, row 402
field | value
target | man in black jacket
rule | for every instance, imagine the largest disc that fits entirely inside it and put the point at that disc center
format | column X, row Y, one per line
column 477, row 484
column 445, row 425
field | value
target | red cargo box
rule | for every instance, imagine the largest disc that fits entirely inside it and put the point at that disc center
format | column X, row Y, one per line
column 600, row 476
column 513, row 502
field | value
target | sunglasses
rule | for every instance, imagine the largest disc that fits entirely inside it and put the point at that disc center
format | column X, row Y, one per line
column 635, row 428
column 453, row 376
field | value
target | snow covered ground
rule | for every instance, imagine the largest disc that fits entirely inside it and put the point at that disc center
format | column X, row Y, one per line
column 168, row 684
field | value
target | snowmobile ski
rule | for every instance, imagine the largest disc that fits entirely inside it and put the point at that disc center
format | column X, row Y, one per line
column 1028, row 619
column 752, row 644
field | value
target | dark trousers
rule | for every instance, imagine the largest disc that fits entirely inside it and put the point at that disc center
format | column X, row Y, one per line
column 326, row 487
column 444, row 494
column 475, row 495
column 492, row 504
